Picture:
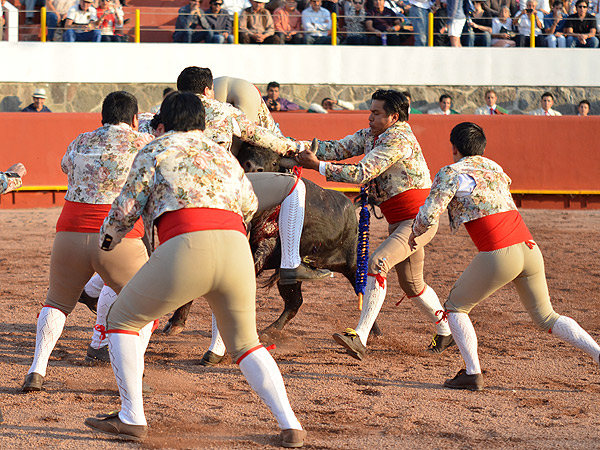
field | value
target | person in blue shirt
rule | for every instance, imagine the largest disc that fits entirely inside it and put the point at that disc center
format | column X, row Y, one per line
column 554, row 24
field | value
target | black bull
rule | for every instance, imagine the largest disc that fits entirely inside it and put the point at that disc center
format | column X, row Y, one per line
column 329, row 238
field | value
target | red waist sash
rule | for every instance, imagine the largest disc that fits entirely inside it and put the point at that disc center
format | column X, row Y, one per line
column 188, row 220
column 498, row 231
column 404, row 206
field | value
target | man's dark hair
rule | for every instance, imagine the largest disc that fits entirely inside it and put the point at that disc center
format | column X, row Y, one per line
column 548, row 94
column 156, row 121
column 444, row 96
column 557, row 3
column 393, row 102
column 195, row 79
column 167, row 91
column 324, row 100
column 585, row 102
column 582, row 2
column 273, row 84
column 182, row 111
column 468, row 138
column 407, row 95
column 119, row 107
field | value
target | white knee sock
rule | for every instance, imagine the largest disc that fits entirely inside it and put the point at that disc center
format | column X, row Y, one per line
column 125, row 353
column 50, row 324
column 105, row 300
column 466, row 340
column 570, row 331
column 374, row 297
column 145, row 334
column 429, row 304
column 94, row 286
column 264, row 378
column 217, row 346
column 291, row 222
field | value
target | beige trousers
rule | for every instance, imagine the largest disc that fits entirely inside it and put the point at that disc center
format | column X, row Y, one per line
column 271, row 188
column 489, row 271
column 214, row 264
column 395, row 252
column 76, row 256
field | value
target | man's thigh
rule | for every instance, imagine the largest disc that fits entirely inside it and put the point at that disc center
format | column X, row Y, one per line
column 271, row 188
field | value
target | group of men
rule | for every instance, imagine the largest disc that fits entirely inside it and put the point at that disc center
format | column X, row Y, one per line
column 184, row 180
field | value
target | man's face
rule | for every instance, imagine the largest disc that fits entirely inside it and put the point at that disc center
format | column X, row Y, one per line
column 378, row 4
column 490, row 99
column 379, row 120
column 547, row 103
column 582, row 9
column 445, row 104
column 257, row 6
column 216, row 6
column 315, row 5
column 273, row 93
column 38, row 102
column 194, row 4
column 583, row 109
column 557, row 9
column 290, row 5
column 85, row 5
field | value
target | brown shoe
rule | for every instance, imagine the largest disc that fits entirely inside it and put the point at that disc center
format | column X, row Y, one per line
column 90, row 302
column 351, row 342
column 464, row 381
column 440, row 343
column 33, row 382
column 292, row 438
column 210, row 359
column 98, row 356
column 302, row 273
column 112, row 425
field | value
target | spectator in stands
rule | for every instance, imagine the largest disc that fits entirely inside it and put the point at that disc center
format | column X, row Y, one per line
column 554, row 24
column 354, row 12
column 108, row 18
column 39, row 98
column 542, row 5
column 275, row 102
column 288, row 23
column 235, row 6
column 80, row 24
column 333, row 6
column 523, row 22
column 383, row 26
column 411, row 110
column 583, row 109
column 220, row 24
column 490, row 107
column 456, row 21
column 191, row 25
column 479, row 27
column 440, row 26
column 56, row 14
column 580, row 28
column 547, row 102
column 256, row 25
column 156, row 108
column 502, row 29
column 419, row 18
column 329, row 104
column 445, row 106
column 316, row 22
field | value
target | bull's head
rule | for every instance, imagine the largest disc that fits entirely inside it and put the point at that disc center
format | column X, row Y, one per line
column 258, row 159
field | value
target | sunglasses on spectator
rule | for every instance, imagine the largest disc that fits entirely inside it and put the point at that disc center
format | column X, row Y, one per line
column 581, row 6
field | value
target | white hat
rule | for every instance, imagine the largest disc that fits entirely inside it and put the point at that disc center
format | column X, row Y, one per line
column 262, row 1
column 39, row 93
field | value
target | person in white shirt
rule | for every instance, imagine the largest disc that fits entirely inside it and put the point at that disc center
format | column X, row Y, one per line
column 80, row 24
column 316, row 22
column 490, row 107
column 523, row 21
column 502, row 27
column 546, row 110
column 330, row 104
column 235, row 6
column 445, row 107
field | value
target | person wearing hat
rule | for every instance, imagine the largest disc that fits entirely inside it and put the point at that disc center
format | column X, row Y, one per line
column 80, row 24
column 39, row 98
column 256, row 25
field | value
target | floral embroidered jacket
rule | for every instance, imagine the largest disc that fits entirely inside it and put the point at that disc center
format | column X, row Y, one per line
column 8, row 184
column 490, row 194
column 179, row 170
column 97, row 163
column 393, row 160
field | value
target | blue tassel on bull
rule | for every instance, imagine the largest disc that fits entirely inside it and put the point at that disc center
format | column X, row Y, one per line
column 362, row 250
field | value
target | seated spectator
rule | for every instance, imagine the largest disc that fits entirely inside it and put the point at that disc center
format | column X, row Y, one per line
column 275, row 102
column 80, row 24
column 580, row 28
column 440, row 26
column 583, row 109
column 544, row 6
column 547, row 101
column 491, row 108
column 383, row 26
column 329, row 104
column 235, row 6
column 411, row 110
column 316, row 22
column 445, row 106
column 108, row 18
column 288, row 23
column 354, row 12
column 256, row 25
column 39, row 98
column 523, row 22
column 502, row 29
column 554, row 24
column 479, row 27
column 191, row 25
column 56, row 14
column 220, row 24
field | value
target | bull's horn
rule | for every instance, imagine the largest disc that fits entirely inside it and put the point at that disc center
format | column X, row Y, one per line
column 315, row 145
column 287, row 163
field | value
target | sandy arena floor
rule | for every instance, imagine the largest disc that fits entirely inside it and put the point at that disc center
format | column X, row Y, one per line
column 540, row 393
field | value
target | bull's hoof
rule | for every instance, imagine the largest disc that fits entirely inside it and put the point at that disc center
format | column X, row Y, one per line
column 171, row 329
column 210, row 359
column 375, row 331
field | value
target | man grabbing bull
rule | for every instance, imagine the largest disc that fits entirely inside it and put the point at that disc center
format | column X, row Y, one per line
column 398, row 178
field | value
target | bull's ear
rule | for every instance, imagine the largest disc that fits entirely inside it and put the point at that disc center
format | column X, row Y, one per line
column 315, row 145
column 287, row 163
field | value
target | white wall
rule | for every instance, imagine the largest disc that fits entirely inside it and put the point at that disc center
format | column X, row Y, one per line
column 161, row 63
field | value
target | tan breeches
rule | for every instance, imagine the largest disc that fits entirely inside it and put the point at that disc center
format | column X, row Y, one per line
column 240, row 93
column 76, row 256
column 214, row 264
column 489, row 271
column 395, row 252
column 271, row 188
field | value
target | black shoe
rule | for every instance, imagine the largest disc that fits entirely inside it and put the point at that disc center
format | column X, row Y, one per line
column 90, row 302
column 97, row 356
column 210, row 359
column 292, row 438
column 351, row 342
column 112, row 425
column 302, row 273
column 440, row 343
column 464, row 381
column 33, row 382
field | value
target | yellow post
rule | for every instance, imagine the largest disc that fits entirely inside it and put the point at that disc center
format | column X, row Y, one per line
column 333, row 29
column 430, row 29
column 137, row 26
column 236, row 28
column 532, row 37
column 43, row 23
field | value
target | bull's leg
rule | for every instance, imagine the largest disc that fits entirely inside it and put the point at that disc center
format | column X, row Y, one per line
column 292, row 297
column 176, row 323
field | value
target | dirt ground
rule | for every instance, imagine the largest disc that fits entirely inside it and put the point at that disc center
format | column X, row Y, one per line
column 540, row 393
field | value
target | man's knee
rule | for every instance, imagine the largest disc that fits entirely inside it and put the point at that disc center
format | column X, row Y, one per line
column 544, row 322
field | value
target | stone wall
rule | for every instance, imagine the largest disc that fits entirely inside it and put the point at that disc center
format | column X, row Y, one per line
column 87, row 97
